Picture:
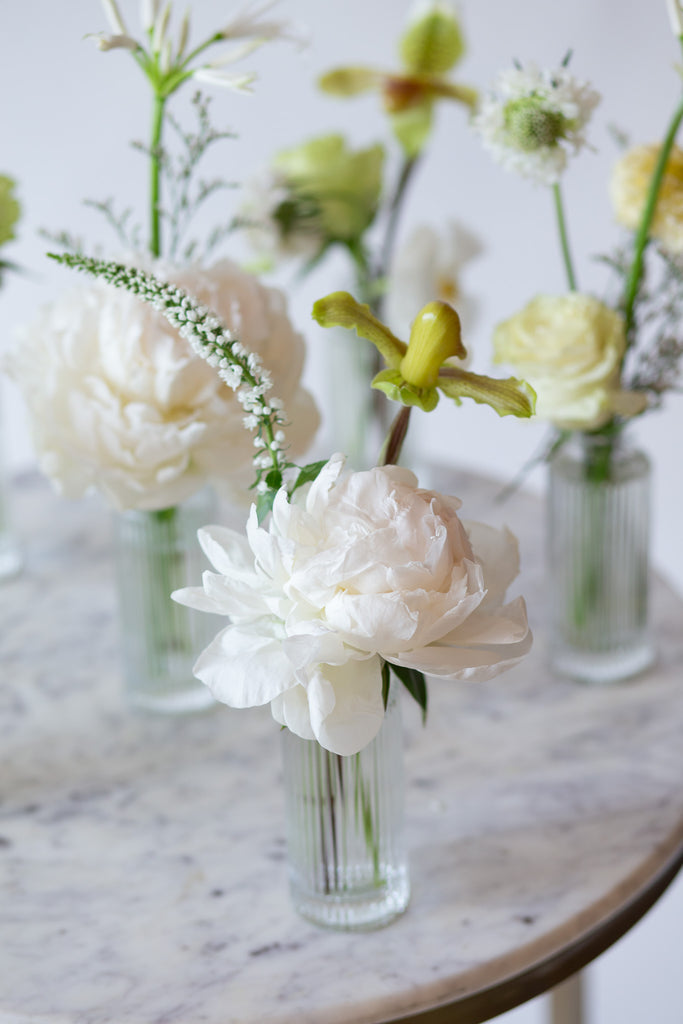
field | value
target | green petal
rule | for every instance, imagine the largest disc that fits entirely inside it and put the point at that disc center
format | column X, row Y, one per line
column 440, row 87
column 433, row 42
column 412, row 127
column 350, row 81
column 341, row 310
column 398, row 390
column 510, row 397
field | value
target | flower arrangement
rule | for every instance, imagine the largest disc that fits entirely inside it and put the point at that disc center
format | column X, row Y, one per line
column 344, row 578
column 119, row 402
column 323, row 196
column 595, row 363
column 127, row 407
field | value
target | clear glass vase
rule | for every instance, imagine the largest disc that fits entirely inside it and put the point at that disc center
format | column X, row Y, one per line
column 156, row 553
column 347, row 863
column 598, row 559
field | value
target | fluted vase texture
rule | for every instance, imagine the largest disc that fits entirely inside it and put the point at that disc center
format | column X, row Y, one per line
column 598, row 515
column 347, row 862
column 156, row 553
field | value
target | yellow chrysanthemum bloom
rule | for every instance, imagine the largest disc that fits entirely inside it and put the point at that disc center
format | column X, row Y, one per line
column 629, row 188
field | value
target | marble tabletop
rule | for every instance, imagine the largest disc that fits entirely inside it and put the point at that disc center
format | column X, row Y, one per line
column 143, row 869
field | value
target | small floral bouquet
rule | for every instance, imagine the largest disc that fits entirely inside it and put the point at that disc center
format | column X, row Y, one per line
column 342, row 580
column 323, row 196
column 119, row 402
column 595, row 364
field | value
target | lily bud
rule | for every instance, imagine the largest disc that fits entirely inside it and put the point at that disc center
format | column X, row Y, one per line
column 434, row 338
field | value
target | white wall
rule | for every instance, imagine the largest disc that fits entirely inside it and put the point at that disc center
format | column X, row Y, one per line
column 69, row 111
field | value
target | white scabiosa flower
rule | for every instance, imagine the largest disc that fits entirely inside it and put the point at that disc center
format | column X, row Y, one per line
column 354, row 570
column 120, row 401
column 534, row 118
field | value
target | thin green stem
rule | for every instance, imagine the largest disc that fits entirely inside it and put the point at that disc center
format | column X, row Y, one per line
column 155, row 175
column 564, row 238
column 395, row 206
column 642, row 236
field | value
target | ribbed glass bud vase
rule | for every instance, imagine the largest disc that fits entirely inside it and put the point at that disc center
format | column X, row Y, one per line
column 347, row 863
column 156, row 553
column 598, row 559
column 11, row 555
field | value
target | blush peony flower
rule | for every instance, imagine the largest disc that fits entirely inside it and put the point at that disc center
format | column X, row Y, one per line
column 355, row 569
column 629, row 187
column 118, row 401
column 569, row 348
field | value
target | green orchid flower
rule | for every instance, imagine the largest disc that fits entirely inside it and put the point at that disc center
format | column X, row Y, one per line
column 430, row 47
column 417, row 371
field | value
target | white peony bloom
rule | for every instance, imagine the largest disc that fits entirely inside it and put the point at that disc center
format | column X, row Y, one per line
column 534, row 118
column 356, row 569
column 118, row 401
column 428, row 267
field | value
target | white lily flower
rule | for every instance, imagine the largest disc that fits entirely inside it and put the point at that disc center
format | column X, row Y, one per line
column 148, row 14
column 119, row 42
column 184, row 34
column 212, row 76
column 429, row 266
column 114, row 17
column 160, row 28
column 248, row 23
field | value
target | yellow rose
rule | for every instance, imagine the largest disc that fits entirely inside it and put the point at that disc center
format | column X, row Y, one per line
column 569, row 348
column 629, row 187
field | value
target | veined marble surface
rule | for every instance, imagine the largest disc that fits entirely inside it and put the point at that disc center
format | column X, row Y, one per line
column 142, row 860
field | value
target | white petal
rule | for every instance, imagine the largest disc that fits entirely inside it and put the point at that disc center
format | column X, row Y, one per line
column 346, row 705
column 244, row 667
column 291, row 710
column 227, row 550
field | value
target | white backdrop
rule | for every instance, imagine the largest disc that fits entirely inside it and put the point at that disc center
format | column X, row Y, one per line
column 69, row 112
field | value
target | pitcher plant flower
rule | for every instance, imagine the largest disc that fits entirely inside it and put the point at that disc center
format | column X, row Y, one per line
column 424, row 366
column 430, row 47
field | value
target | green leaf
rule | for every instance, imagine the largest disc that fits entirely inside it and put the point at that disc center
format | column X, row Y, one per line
column 264, row 504
column 415, row 684
column 274, row 479
column 308, row 474
column 341, row 310
column 386, row 680
column 509, row 397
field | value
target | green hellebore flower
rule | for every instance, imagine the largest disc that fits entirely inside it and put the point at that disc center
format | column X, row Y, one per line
column 338, row 186
column 9, row 209
column 416, row 372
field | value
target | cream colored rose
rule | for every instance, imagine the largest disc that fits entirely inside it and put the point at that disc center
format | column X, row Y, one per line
column 119, row 402
column 569, row 348
column 629, row 187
